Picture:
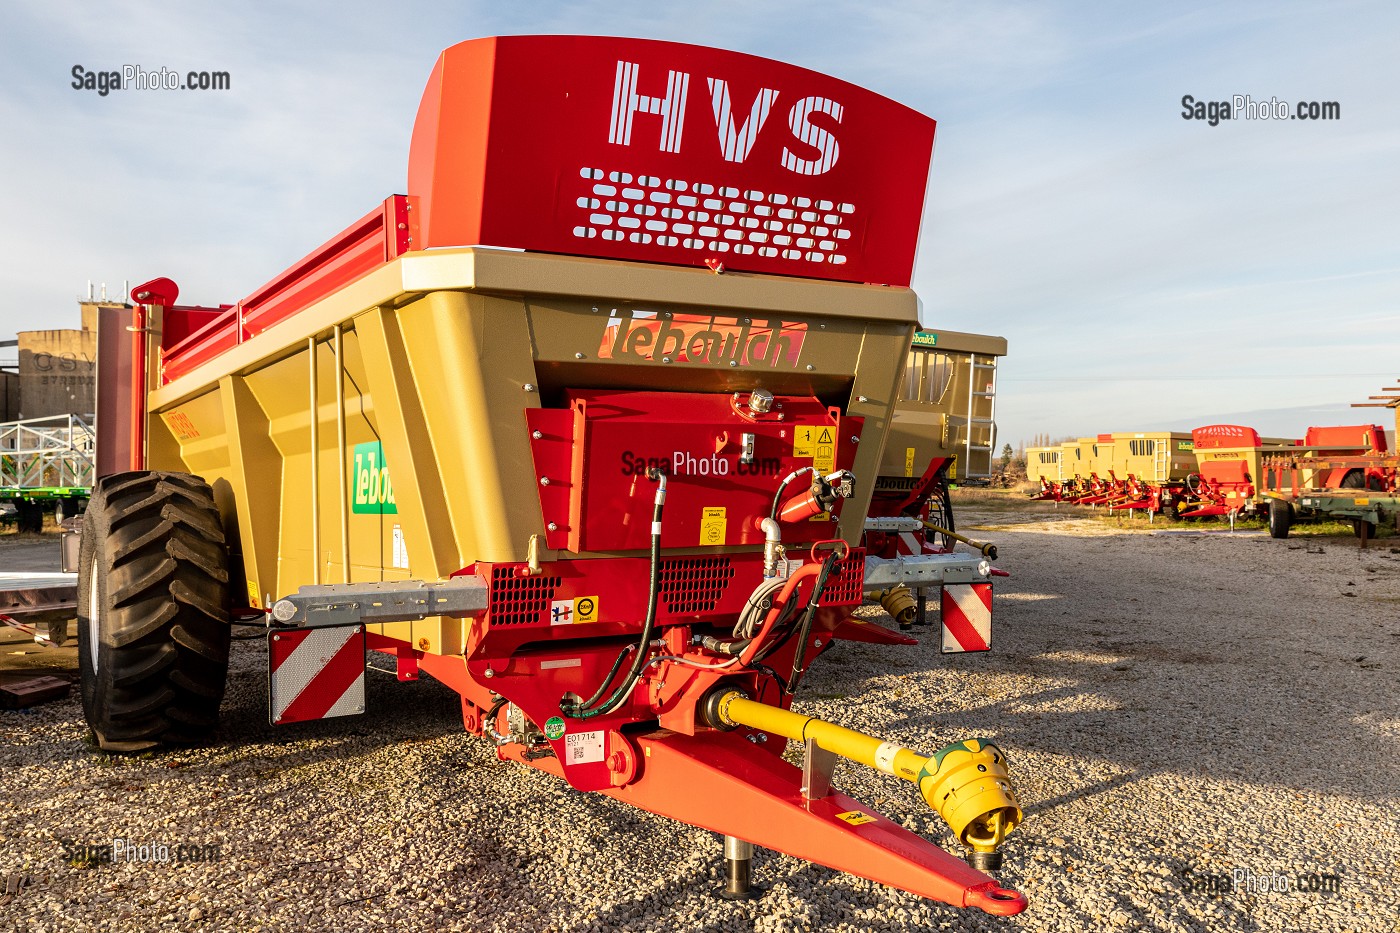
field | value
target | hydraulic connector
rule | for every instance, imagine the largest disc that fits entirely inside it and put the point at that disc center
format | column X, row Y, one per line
column 967, row 783
column 820, row 497
column 899, row 603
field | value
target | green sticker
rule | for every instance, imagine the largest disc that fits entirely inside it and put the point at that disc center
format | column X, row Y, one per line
column 554, row 727
column 372, row 492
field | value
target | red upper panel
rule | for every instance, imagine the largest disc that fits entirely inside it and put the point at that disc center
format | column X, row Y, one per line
column 671, row 153
column 1214, row 436
column 1363, row 438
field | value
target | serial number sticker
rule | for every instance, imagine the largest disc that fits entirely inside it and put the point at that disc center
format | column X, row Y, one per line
column 561, row 663
column 855, row 817
column 908, row 461
column 712, row 525
column 804, row 442
column 581, row 748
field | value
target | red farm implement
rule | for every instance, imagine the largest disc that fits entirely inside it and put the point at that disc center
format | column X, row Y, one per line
column 586, row 426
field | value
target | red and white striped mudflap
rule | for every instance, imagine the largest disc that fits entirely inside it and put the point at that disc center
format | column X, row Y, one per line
column 967, row 617
column 316, row 673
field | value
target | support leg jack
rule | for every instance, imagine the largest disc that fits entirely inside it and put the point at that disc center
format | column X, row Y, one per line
column 738, row 870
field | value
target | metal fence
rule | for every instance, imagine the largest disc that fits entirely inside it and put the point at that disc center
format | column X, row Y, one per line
column 47, row 453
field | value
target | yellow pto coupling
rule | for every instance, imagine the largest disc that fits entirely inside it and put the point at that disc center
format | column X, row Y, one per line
column 967, row 783
column 899, row 603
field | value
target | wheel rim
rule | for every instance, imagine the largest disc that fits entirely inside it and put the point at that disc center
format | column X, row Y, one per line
column 92, row 626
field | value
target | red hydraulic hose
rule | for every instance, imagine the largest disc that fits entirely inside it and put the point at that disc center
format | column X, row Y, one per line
column 790, row 587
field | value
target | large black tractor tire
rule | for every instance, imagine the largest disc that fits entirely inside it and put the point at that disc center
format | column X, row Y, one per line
column 153, row 611
column 67, row 508
column 1355, row 479
column 31, row 517
column 940, row 512
column 1280, row 518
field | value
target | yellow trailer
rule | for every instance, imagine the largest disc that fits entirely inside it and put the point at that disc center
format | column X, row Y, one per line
column 1152, row 456
column 946, row 407
column 1043, row 463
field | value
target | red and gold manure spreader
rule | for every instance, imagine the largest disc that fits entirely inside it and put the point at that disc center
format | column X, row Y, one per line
column 584, row 426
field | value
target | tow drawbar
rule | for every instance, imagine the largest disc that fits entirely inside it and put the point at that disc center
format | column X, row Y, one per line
column 966, row 783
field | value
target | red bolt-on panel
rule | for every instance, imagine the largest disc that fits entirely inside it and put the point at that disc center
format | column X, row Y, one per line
column 608, row 440
column 670, row 153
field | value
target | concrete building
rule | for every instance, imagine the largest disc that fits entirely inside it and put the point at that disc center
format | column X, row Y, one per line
column 57, row 369
column 9, row 380
column 9, row 396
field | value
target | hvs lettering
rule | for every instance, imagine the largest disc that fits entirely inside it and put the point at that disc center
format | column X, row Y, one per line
column 735, row 141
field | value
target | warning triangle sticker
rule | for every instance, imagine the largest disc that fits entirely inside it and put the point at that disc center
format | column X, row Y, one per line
column 826, row 436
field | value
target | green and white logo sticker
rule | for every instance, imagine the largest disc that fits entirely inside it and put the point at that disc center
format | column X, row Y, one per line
column 554, row 727
column 373, row 493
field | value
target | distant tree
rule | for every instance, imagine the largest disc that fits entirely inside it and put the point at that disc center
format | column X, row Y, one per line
column 1006, row 455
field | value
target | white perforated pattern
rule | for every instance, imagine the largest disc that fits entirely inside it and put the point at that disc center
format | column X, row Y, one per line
column 689, row 215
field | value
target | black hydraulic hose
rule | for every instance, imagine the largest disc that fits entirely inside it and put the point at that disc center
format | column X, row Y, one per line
column 607, row 681
column 806, row 628
column 639, row 661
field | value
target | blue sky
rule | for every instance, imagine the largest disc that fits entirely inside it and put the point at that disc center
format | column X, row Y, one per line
column 1148, row 271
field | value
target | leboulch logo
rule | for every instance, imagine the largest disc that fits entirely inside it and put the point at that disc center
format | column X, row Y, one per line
column 701, row 338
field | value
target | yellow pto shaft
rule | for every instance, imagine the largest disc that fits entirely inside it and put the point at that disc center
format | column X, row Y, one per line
column 966, row 783
column 984, row 548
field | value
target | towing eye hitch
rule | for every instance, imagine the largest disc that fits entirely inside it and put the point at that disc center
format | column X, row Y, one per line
column 966, row 783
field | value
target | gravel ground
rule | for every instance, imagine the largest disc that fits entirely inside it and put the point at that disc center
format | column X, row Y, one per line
column 1175, row 708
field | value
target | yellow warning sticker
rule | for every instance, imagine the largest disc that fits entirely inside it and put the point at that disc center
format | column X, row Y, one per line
column 855, row 817
column 824, row 456
column 804, row 442
column 585, row 609
column 908, row 461
column 1360, row 501
column 712, row 524
column 953, row 470
column 253, row 595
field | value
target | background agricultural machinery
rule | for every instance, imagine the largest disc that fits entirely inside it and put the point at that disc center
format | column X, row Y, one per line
column 1227, row 471
column 609, row 484
column 46, row 464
